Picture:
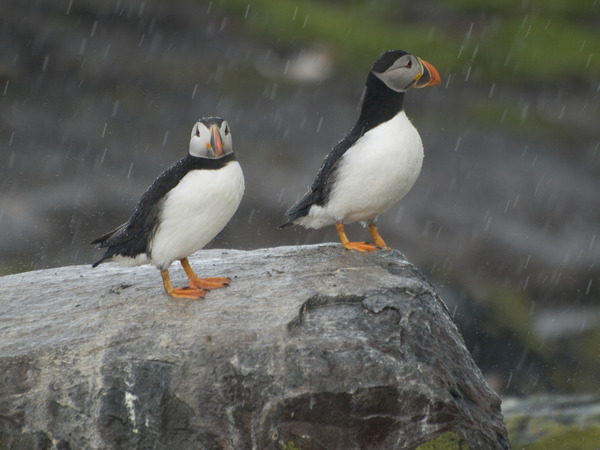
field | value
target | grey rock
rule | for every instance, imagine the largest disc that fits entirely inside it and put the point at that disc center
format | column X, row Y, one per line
column 310, row 345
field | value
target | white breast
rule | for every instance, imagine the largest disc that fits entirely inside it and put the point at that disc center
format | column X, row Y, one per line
column 195, row 211
column 373, row 174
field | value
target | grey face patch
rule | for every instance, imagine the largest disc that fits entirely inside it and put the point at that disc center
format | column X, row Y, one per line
column 200, row 141
column 401, row 75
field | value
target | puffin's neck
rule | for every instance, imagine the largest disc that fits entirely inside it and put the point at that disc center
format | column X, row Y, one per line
column 380, row 104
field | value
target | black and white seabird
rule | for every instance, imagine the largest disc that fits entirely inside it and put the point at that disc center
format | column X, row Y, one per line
column 183, row 210
column 377, row 162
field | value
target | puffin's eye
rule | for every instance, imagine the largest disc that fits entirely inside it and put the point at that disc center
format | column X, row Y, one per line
column 198, row 131
column 226, row 130
column 409, row 64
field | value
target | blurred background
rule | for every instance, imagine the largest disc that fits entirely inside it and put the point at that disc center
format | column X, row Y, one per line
column 98, row 97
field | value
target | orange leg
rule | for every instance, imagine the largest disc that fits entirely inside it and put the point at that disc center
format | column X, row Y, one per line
column 182, row 292
column 203, row 283
column 376, row 237
column 358, row 246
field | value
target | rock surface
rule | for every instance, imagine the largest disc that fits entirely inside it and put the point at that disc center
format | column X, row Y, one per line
column 310, row 345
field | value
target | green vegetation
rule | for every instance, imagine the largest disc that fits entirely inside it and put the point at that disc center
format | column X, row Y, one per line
column 290, row 446
column 447, row 441
column 541, row 433
column 553, row 41
column 354, row 32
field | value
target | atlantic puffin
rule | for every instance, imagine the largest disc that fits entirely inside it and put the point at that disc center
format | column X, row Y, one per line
column 183, row 210
column 377, row 162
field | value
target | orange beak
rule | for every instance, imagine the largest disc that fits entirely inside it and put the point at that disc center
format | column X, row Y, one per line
column 216, row 141
column 430, row 76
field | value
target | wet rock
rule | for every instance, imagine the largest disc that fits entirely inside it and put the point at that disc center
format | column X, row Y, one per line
column 310, row 345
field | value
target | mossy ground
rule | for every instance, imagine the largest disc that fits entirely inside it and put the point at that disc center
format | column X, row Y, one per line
column 447, row 441
column 507, row 40
column 529, row 433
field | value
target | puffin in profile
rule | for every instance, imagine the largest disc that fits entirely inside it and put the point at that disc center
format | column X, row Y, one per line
column 377, row 162
column 183, row 210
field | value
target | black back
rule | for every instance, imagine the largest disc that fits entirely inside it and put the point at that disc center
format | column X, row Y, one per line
column 132, row 238
column 379, row 105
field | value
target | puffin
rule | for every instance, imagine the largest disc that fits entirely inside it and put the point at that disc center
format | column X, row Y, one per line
column 182, row 211
column 377, row 162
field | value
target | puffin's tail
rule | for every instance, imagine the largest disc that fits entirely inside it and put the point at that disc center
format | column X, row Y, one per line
column 102, row 242
column 101, row 260
column 298, row 209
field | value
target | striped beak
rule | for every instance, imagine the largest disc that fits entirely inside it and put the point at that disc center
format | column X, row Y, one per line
column 429, row 76
column 216, row 141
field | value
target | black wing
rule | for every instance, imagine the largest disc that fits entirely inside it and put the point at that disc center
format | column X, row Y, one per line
column 319, row 192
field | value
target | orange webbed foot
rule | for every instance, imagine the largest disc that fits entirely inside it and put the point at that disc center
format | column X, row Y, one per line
column 182, row 292
column 186, row 292
column 205, row 284
column 209, row 283
column 364, row 247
